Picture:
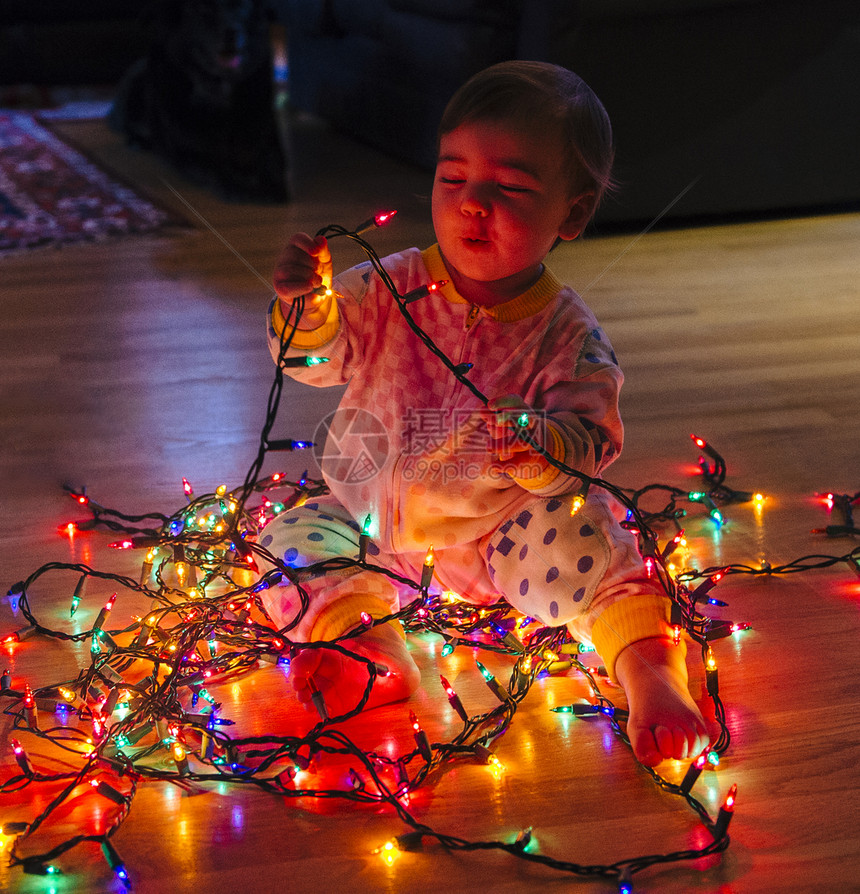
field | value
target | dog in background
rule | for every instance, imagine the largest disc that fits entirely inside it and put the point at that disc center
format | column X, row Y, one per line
column 203, row 97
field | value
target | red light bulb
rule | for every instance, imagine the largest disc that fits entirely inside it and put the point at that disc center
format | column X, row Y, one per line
column 383, row 217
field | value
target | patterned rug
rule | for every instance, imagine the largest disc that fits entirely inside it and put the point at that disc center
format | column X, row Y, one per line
column 51, row 194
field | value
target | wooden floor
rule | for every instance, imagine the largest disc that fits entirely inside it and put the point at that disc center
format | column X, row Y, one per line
column 128, row 366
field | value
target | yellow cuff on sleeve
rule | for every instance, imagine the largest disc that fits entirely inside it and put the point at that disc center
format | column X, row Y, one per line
column 343, row 614
column 555, row 448
column 307, row 339
column 627, row 621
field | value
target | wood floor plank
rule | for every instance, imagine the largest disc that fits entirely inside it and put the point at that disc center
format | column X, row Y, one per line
column 130, row 365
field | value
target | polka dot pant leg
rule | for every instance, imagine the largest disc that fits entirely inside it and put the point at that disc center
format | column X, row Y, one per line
column 319, row 530
column 549, row 564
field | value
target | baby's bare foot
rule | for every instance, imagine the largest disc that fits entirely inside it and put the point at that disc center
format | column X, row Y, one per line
column 664, row 720
column 342, row 680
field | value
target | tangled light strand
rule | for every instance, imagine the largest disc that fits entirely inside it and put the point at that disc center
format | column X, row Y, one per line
column 142, row 700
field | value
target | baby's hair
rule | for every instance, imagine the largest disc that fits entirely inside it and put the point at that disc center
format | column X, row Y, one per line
column 539, row 95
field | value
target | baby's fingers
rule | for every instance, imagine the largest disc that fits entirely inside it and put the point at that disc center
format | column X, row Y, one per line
column 304, row 265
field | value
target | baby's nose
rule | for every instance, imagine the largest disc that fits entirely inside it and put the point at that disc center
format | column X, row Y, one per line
column 476, row 200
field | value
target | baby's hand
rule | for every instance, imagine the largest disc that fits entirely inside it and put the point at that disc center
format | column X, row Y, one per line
column 508, row 418
column 303, row 267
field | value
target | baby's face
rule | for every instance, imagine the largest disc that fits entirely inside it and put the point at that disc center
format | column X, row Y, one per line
column 500, row 200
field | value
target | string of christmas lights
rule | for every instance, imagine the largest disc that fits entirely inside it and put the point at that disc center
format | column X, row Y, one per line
column 140, row 710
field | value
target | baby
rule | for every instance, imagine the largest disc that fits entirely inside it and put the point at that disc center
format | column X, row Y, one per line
column 525, row 154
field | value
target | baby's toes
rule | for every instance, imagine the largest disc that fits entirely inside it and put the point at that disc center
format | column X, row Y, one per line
column 699, row 741
column 645, row 746
column 671, row 742
column 304, row 664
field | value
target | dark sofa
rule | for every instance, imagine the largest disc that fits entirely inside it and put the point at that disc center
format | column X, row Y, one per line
column 720, row 107
column 68, row 42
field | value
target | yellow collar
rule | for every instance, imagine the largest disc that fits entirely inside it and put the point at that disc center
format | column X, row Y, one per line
column 525, row 305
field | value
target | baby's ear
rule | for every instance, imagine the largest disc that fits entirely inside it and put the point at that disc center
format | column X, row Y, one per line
column 581, row 210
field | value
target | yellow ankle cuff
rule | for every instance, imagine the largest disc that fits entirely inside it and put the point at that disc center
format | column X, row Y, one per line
column 627, row 621
column 345, row 613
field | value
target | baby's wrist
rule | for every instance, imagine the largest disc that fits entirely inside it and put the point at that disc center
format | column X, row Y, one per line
column 314, row 315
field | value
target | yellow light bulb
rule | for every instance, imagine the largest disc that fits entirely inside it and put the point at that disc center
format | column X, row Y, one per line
column 389, row 851
column 497, row 768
